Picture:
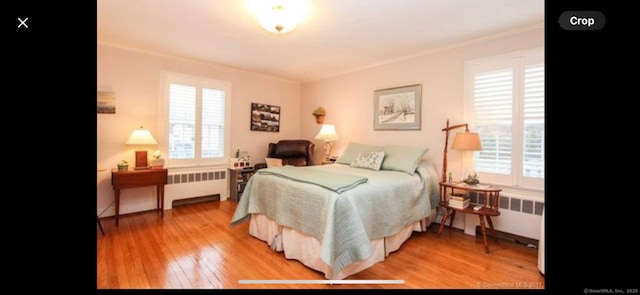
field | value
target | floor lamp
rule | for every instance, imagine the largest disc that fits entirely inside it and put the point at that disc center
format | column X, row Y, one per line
column 463, row 141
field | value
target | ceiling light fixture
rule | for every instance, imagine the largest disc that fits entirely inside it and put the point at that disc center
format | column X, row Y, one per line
column 278, row 16
column 278, row 20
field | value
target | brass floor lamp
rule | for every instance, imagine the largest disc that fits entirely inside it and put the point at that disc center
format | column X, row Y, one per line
column 463, row 141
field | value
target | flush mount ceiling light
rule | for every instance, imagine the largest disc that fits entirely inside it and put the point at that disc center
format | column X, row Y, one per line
column 278, row 20
column 278, row 17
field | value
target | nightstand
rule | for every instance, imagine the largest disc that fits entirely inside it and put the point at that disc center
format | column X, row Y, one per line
column 238, row 179
column 490, row 205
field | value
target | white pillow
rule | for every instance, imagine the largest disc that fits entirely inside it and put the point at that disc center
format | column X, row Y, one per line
column 273, row 162
column 353, row 149
column 368, row 160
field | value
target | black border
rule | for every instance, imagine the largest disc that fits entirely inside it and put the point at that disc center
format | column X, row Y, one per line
column 589, row 206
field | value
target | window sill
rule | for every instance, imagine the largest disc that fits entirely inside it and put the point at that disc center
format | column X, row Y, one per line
column 521, row 192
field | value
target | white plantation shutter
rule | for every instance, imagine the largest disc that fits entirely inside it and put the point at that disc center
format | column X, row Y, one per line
column 213, row 123
column 195, row 120
column 493, row 114
column 533, row 156
column 504, row 102
column 182, row 121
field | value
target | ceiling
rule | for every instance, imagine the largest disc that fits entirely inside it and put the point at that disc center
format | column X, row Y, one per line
column 337, row 37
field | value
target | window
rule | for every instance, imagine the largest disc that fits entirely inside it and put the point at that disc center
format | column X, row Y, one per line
column 195, row 120
column 504, row 102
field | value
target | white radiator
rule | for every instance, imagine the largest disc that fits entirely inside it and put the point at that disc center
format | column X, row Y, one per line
column 193, row 184
column 519, row 215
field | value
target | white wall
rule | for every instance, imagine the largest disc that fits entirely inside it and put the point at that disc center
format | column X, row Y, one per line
column 134, row 77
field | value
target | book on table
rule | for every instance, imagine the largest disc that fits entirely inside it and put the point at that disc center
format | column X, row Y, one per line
column 458, row 196
column 459, row 204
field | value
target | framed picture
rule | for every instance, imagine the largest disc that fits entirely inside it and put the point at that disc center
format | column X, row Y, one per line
column 397, row 108
column 265, row 117
column 106, row 102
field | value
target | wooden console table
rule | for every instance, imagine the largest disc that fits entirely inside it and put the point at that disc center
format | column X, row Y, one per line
column 139, row 178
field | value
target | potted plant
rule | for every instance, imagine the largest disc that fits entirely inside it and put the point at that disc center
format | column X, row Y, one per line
column 157, row 161
column 123, row 165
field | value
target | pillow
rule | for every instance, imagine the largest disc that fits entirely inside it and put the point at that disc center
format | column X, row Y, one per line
column 352, row 150
column 273, row 162
column 368, row 160
column 402, row 158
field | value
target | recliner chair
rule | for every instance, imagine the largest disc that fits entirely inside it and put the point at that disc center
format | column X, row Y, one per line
column 297, row 152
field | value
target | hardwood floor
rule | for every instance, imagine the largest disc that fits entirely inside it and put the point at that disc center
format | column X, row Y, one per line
column 194, row 247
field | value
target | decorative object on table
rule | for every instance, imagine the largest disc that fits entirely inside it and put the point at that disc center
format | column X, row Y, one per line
column 123, row 165
column 106, row 102
column 158, row 161
column 462, row 141
column 265, row 117
column 472, row 179
column 319, row 113
column 329, row 135
column 397, row 108
column 141, row 137
column 243, row 162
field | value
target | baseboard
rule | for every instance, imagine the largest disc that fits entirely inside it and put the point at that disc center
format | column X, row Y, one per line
column 509, row 237
column 195, row 200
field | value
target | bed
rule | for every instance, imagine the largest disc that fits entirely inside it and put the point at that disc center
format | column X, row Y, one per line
column 340, row 219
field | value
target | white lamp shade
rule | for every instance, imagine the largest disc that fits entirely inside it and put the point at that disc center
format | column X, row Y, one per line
column 327, row 133
column 141, row 137
column 467, row 141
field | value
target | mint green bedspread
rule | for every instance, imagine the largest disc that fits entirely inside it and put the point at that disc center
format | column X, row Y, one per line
column 345, row 222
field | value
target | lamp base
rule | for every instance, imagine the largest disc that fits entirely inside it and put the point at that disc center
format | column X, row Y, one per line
column 141, row 160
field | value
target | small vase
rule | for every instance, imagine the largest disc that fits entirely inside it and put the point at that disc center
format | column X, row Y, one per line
column 123, row 168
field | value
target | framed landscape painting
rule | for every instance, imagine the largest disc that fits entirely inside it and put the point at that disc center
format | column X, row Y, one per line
column 265, row 117
column 397, row 108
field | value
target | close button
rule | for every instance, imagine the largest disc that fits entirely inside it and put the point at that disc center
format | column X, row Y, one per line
column 582, row 20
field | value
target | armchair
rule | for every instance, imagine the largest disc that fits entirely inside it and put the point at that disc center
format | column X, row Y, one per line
column 297, row 152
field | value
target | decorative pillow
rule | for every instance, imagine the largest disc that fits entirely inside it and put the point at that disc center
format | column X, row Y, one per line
column 401, row 158
column 369, row 160
column 352, row 151
column 273, row 162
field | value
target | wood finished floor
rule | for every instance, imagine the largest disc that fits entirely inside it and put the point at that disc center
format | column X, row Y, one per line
column 194, row 247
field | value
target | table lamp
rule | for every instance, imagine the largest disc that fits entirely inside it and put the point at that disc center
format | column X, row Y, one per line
column 328, row 134
column 462, row 141
column 140, row 137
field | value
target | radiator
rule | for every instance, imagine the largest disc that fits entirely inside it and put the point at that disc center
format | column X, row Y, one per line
column 519, row 215
column 194, row 184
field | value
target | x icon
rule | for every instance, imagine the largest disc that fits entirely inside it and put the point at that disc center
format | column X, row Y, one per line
column 23, row 22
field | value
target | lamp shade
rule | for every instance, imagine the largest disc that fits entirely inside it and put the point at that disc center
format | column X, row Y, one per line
column 327, row 133
column 467, row 141
column 141, row 136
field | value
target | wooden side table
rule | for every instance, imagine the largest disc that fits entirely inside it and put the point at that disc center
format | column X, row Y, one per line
column 138, row 178
column 490, row 206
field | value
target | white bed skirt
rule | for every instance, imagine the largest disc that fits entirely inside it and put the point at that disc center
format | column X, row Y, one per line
column 306, row 249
